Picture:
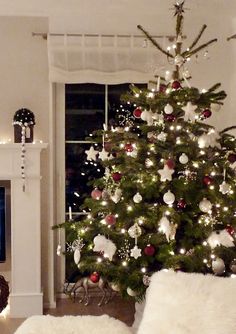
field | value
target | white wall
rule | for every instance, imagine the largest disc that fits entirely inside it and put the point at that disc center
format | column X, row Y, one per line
column 24, row 83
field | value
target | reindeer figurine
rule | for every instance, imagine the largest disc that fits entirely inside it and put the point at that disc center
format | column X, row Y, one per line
column 86, row 284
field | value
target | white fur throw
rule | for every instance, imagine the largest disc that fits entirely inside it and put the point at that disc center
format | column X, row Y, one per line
column 180, row 303
column 72, row 325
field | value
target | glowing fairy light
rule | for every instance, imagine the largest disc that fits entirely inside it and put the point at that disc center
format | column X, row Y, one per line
column 124, row 263
column 182, row 251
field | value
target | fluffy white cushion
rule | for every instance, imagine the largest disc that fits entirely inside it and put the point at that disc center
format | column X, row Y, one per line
column 73, row 325
column 179, row 303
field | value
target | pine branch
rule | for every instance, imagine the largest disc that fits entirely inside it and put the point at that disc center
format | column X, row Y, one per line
column 228, row 129
column 203, row 46
column 154, row 42
column 179, row 25
column 198, row 37
column 214, row 87
column 231, row 37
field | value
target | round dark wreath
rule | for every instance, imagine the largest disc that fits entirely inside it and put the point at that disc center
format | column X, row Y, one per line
column 4, row 293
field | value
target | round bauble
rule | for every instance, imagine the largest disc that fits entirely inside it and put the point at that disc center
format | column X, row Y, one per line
column 149, row 250
column 218, row 266
column 110, row 219
column 168, row 109
column 230, row 230
column 137, row 198
column 94, row 277
column 169, row 118
column 116, row 176
column 137, row 112
column 179, row 60
column 135, row 231
column 169, row 197
column 96, row 194
column 207, row 180
column 183, row 159
column 224, row 188
column 176, row 84
column 205, row 205
column 206, row 113
column 145, row 115
column 162, row 88
column 129, row 147
column 181, row 204
column 170, row 163
column 233, row 266
column 115, row 287
column 131, row 292
column 232, row 158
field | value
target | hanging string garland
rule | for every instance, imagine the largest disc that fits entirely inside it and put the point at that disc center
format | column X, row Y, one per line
column 25, row 119
column 4, row 293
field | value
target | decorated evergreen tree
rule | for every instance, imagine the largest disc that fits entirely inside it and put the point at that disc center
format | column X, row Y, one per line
column 167, row 199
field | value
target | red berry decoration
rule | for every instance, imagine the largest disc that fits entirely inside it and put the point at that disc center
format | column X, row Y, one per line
column 232, row 158
column 96, row 194
column 176, row 84
column 110, row 219
column 94, row 277
column 181, row 204
column 206, row 113
column 170, row 163
column 207, row 180
column 149, row 250
column 116, row 176
column 230, row 230
column 129, row 148
column 169, row 118
column 137, row 112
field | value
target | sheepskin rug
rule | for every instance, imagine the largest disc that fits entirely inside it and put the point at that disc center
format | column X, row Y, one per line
column 181, row 303
column 73, row 325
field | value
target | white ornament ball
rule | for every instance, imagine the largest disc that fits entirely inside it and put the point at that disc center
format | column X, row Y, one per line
column 145, row 115
column 179, row 60
column 218, row 266
column 115, row 287
column 169, row 197
column 183, row 159
column 215, row 107
column 205, row 205
column 131, row 292
column 168, row 109
column 135, row 231
column 137, row 198
column 77, row 256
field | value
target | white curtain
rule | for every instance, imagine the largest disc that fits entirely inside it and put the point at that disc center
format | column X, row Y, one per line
column 102, row 59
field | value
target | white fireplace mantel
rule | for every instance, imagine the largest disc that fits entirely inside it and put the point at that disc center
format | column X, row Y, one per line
column 26, row 297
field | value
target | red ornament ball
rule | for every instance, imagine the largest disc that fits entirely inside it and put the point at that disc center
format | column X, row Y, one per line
column 129, row 147
column 110, row 219
column 176, row 84
column 149, row 250
column 94, row 277
column 206, row 113
column 96, row 194
column 170, row 163
column 169, row 118
column 116, row 176
column 207, row 180
column 181, row 204
column 232, row 158
column 137, row 112
column 162, row 88
column 230, row 230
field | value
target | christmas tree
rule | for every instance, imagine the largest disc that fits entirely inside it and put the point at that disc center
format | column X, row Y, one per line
column 167, row 199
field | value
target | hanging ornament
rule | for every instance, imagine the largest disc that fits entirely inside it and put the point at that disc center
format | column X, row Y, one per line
column 165, row 173
column 230, row 230
column 179, row 60
column 102, row 244
column 170, row 163
column 207, row 180
column 115, row 287
column 137, row 112
column 149, row 250
column 225, row 188
column 232, row 158
column 220, row 238
column 135, row 252
column 215, row 107
column 176, row 84
column 168, row 109
column 168, row 228
column 148, row 163
column 135, row 231
column 131, row 292
column 147, row 117
column 116, row 176
column 206, row 113
column 190, row 114
column 94, row 277
column 162, row 136
column 183, row 159
column 76, row 247
column 233, row 266
column 117, row 195
column 96, row 194
column 181, row 204
column 137, row 198
column 110, row 219
column 169, row 197
column 103, row 155
column 205, row 205
column 129, row 147
column 218, row 266
column 58, row 250
column 91, row 154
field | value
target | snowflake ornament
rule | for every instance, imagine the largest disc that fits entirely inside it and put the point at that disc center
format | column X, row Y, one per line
column 135, row 252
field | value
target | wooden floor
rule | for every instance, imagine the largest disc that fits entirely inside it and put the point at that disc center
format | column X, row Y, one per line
column 118, row 308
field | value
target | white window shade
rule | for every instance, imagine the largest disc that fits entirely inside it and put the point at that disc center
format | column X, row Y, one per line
column 102, row 59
